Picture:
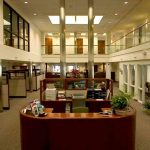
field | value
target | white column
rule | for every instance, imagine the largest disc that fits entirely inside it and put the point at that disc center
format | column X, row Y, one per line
column 62, row 39
column 90, row 40
column 129, row 79
column 108, row 70
column 144, row 74
column 121, row 77
column 136, row 82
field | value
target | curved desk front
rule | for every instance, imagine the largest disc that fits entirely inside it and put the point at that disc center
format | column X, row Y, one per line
column 78, row 131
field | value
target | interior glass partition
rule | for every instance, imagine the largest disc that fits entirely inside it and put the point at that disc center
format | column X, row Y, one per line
column 136, row 37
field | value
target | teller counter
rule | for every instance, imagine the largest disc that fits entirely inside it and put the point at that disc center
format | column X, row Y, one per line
column 78, row 131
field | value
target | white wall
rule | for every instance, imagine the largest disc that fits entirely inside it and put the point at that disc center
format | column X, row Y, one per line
column 35, row 40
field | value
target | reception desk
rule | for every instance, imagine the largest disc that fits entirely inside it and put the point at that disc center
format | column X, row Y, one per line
column 78, row 131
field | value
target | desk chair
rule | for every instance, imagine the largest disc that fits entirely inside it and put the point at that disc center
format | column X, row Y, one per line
column 80, row 110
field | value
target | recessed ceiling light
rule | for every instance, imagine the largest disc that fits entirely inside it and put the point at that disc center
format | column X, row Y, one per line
column 116, row 14
column 109, row 22
column 34, row 14
column 104, row 34
column 26, row 2
column 125, row 2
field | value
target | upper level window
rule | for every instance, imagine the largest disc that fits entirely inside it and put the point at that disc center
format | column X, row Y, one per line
column 16, row 29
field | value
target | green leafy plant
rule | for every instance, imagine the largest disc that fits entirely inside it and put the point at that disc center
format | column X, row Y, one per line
column 121, row 100
column 147, row 105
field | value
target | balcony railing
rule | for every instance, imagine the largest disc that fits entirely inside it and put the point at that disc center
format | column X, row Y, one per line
column 136, row 37
column 71, row 50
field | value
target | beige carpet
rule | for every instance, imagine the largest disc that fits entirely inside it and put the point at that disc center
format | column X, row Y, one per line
column 10, row 126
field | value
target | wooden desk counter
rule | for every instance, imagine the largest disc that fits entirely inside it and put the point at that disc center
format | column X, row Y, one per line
column 78, row 131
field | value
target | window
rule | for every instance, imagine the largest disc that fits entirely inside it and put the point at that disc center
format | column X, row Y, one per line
column 16, row 29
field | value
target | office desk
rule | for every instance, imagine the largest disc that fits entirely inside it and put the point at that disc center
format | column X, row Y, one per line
column 78, row 131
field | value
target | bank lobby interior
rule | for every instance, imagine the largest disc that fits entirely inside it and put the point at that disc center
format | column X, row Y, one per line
column 69, row 45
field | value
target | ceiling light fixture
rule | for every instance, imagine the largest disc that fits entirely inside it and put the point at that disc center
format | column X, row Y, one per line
column 34, row 14
column 26, row 2
column 75, row 19
column 116, row 14
column 125, row 2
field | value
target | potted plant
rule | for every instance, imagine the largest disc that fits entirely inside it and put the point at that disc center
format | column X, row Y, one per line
column 146, row 106
column 120, row 103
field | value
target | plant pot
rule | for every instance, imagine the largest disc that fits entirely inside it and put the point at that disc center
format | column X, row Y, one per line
column 122, row 111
